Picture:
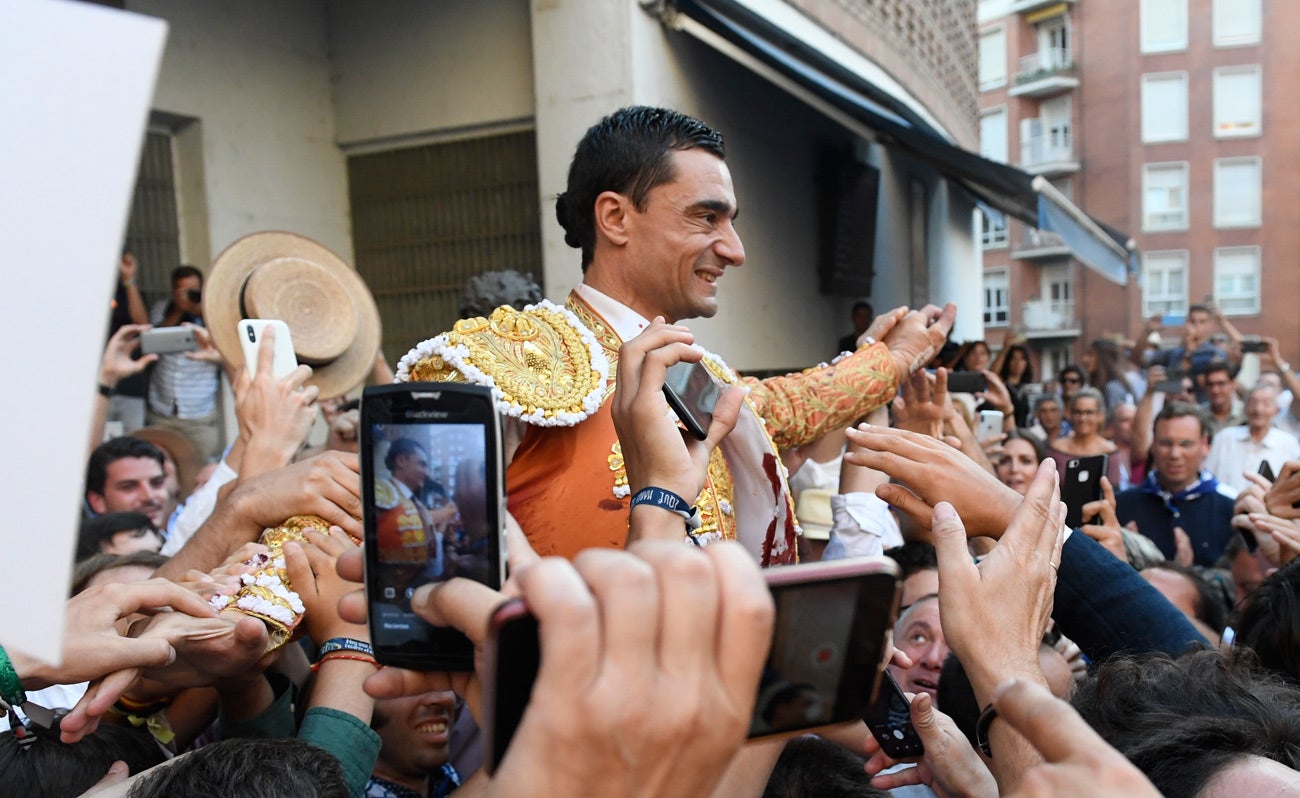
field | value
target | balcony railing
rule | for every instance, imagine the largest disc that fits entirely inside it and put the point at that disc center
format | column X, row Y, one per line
column 1041, row 239
column 1041, row 314
column 1048, row 148
column 1044, row 63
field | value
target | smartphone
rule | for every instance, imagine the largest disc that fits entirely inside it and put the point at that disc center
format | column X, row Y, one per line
column 1266, row 471
column 432, row 508
column 692, row 393
column 990, row 424
column 1082, row 484
column 1253, row 343
column 1172, row 383
column 967, row 382
column 890, row 720
column 163, row 340
column 830, row 642
column 250, row 341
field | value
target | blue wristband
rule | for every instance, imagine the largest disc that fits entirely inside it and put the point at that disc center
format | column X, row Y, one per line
column 667, row 500
column 345, row 644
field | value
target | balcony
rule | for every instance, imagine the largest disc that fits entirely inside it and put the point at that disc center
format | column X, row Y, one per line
column 1045, row 73
column 1050, row 154
column 1045, row 319
column 1039, row 245
column 1024, row 6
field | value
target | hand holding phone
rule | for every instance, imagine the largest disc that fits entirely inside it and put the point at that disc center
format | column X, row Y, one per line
column 889, row 718
column 828, row 650
column 251, row 334
column 692, row 393
column 433, row 509
column 967, row 382
column 165, row 340
column 990, row 424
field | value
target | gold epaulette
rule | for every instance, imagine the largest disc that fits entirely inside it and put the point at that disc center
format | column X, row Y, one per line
column 543, row 365
column 386, row 497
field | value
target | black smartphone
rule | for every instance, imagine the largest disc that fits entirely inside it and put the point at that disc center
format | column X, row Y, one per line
column 829, row 648
column 967, row 382
column 1172, row 383
column 1253, row 343
column 890, row 720
column 433, row 509
column 692, row 393
column 1266, row 471
column 1080, row 485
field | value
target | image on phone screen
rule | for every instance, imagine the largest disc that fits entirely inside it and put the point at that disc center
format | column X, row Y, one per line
column 431, row 514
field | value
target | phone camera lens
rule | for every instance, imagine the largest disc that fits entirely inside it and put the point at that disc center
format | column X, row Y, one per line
column 252, row 337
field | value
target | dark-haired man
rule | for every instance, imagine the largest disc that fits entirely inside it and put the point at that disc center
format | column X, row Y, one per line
column 126, row 475
column 1222, row 406
column 651, row 205
column 415, row 737
column 863, row 315
column 1178, row 493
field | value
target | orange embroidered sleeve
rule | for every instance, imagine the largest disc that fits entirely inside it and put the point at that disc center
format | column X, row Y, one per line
column 803, row 407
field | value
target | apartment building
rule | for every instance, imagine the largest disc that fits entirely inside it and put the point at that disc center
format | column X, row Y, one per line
column 1168, row 119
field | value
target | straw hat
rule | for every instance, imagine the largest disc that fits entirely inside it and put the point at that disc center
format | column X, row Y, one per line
column 182, row 451
column 330, row 311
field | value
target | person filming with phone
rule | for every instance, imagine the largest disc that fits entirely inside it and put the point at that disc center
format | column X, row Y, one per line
column 183, row 386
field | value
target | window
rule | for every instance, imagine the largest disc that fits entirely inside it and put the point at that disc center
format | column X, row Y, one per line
column 997, row 298
column 1164, row 283
column 1057, row 284
column 993, row 234
column 1236, row 101
column 1164, row 107
column 153, row 228
column 1236, row 22
column 426, row 219
column 1236, row 280
column 1236, row 192
column 993, row 59
column 993, row 134
column 1163, row 25
column 1164, row 196
column 1054, row 43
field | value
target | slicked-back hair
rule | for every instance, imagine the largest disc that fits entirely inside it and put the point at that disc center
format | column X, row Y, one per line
column 1182, row 721
column 402, row 447
column 626, row 152
column 110, row 452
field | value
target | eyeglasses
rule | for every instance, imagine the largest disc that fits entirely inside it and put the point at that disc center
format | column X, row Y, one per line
column 1071, row 379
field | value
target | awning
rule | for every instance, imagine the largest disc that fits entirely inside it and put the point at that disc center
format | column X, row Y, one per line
column 753, row 39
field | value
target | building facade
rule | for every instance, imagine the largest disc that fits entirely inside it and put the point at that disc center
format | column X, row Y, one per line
column 1166, row 119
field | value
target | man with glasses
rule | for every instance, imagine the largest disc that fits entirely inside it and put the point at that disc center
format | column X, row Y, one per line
column 1222, row 406
column 1179, row 498
column 1071, row 379
column 1239, row 449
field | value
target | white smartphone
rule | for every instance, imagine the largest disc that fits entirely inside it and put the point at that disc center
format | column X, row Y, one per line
column 990, row 425
column 250, row 340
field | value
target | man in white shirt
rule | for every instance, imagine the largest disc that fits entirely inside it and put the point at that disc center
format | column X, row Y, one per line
column 1240, row 449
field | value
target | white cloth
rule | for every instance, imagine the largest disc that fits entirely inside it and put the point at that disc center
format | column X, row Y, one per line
column 197, row 509
column 864, row 527
column 1235, row 451
column 812, row 474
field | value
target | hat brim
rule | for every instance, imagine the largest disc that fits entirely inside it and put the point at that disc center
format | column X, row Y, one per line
column 182, row 451
column 223, row 308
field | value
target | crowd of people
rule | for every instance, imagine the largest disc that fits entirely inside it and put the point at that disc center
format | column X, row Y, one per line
column 216, row 639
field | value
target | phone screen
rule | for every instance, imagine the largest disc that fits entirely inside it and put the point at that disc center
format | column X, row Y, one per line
column 828, row 648
column 431, row 478
column 890, row 720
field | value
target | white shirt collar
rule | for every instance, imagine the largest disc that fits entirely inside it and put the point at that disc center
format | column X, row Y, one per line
column 627, row 323
column 402, row 488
